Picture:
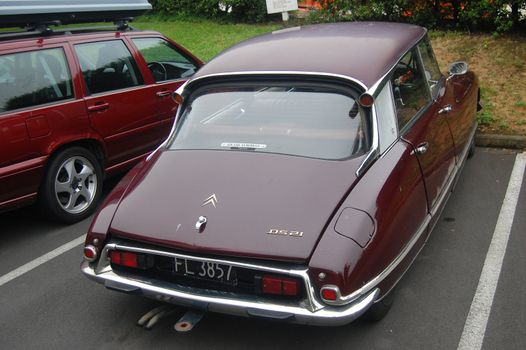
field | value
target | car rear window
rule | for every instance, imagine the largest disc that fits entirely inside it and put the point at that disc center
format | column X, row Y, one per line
column 33, row 78
column 317, row 122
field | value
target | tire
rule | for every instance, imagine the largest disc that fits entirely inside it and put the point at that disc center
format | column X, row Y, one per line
column 72, row 185
column 379, row 309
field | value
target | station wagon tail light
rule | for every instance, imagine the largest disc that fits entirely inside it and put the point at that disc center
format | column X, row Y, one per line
column 279, row 286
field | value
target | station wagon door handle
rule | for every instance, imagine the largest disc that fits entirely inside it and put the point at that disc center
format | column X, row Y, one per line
column 445, row 109
column 421, row 148
column 99, row 107
column 163, row 93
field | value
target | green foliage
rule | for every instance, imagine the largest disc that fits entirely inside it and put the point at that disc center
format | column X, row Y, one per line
column 485, row 116
column 496, row 15
column 247, row 10
column 237, row 10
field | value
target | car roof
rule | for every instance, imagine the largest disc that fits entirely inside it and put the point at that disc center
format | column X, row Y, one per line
column 364, row 51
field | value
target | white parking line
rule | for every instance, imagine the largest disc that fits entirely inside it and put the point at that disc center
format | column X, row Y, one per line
column 41, row 260
column 477, row 320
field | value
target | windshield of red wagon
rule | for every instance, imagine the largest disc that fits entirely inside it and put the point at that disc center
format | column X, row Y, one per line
column 318, row 122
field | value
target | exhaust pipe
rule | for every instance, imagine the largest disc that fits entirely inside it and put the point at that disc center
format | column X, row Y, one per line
column 188, row 321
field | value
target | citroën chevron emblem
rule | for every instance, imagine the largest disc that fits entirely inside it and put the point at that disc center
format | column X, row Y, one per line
column 211, row 200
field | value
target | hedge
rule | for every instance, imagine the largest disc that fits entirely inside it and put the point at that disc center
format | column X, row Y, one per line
column 498, row 15
column 237, row 10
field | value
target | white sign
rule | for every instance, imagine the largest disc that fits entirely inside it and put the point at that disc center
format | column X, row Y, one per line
column 276, row 6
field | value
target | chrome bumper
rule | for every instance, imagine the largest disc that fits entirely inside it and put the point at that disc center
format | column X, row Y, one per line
column 309, row 311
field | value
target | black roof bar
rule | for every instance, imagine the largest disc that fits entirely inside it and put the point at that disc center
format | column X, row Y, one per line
column 45, row 29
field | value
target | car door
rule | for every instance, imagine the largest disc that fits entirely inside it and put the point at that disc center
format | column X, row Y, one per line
column 170, row 67
column 461, row 109
column 121, row 107
column 423, row 125
column 456, row 108
column 37, row 109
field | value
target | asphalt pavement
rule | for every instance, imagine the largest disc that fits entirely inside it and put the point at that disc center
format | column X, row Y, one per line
column 52, row 306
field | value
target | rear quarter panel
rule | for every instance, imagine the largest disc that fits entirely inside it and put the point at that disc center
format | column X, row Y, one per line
column 393, row 193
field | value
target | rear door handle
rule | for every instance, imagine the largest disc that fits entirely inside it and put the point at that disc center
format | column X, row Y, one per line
column 445, row 109
column 163, row 93
column 99, row 107
column 421, row 148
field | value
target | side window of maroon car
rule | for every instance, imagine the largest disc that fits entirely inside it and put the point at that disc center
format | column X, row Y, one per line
column 164, row 60
column 107, row 66
column 410, row 87
column 431, row 70
column 33, row 78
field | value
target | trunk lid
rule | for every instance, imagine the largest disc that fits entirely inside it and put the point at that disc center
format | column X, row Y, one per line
column 243, row 196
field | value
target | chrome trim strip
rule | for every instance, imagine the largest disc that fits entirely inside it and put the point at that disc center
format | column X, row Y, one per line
column 172, row 130
column 299, row 73
column 375, row 144
column 228, row 303
column 103, row 266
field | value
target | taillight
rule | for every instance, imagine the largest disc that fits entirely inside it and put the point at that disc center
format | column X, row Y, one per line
column 127, row 259
column 90, row 253
column 131, row 259
column 329, row 294
column 279, row 286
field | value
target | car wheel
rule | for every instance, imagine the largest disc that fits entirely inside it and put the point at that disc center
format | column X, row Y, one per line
column 72, row 185
column 379, row 309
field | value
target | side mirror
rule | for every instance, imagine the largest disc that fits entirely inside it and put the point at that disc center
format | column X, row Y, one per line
column 458, row 68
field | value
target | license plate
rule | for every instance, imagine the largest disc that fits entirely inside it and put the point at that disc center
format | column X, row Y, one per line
column 205, row 270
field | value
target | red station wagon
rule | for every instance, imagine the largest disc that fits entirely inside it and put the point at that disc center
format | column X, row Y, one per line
column 305, row 172
column 78, row 105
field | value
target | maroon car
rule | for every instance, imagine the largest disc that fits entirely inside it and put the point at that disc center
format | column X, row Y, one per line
column 304, row 173
column 77, row 105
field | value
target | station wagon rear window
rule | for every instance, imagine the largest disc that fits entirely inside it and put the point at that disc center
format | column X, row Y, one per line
column 317, row 122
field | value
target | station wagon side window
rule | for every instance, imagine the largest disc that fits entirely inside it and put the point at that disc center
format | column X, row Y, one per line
column 33, row 78
column 432, row 71
column 107, row 66
column 410, row 88
column 164, row 60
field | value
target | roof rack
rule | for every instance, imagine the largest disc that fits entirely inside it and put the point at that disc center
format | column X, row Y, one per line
column 45, row 29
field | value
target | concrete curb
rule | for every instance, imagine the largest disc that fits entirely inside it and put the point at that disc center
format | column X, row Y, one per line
column 500, row 141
